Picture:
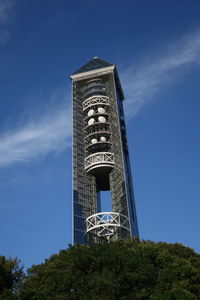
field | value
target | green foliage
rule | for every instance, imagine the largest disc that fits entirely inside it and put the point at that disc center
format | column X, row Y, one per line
column 11, row 278
column 125, row 269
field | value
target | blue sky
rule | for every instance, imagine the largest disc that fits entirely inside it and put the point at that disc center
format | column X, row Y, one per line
column 156, row 47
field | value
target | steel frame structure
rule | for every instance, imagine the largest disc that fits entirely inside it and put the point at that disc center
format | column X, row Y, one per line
column 100, row 156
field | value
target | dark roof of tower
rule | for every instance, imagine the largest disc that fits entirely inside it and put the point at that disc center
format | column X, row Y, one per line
column 93, row 64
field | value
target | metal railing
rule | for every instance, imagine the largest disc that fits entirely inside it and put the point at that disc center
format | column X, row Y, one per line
column 95, row 100
column 106, row 224
column 99, row 158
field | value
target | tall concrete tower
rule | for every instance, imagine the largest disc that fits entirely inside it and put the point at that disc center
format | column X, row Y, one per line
column 100, row 156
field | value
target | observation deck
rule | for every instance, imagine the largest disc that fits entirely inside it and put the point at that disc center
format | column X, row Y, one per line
column 95, row 100
column 98, row 146
column 100, row 164
column 96, row 126
column 98, row 133
column 107, row 224
column 99, row 160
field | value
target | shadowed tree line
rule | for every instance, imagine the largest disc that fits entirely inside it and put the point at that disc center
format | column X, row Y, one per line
column 125, row 269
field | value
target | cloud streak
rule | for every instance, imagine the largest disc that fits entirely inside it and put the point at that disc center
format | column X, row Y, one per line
column 142, row 82
column 49, row 133
column 6, row 9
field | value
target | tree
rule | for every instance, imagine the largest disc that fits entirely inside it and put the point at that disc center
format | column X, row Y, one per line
column 125, row 269
column 11, row 277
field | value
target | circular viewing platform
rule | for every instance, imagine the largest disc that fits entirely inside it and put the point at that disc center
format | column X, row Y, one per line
column 100, row 164
column 106, row 224
column 96, row 116
column 96, row 125
column 99, row 160
column 97, row 134
column 98, row 146
column 95, row 100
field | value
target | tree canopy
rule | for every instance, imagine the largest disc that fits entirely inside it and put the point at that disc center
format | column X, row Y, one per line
column 125, row 269
column 11, row 278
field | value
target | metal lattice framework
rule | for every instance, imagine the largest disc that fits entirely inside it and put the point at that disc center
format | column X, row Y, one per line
column 94, row 100
column 99, row 159
column 106, row 224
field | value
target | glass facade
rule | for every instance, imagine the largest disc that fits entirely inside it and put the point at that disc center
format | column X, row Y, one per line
column 100, row 156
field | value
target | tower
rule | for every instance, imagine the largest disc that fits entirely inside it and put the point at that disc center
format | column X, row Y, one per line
column 100, row 156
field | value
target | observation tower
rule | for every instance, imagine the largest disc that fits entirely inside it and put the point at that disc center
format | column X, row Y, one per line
column 100, row 156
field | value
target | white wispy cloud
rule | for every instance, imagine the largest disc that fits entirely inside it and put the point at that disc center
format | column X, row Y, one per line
column 40, row 136
column 6, row 10
column 142, row 81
